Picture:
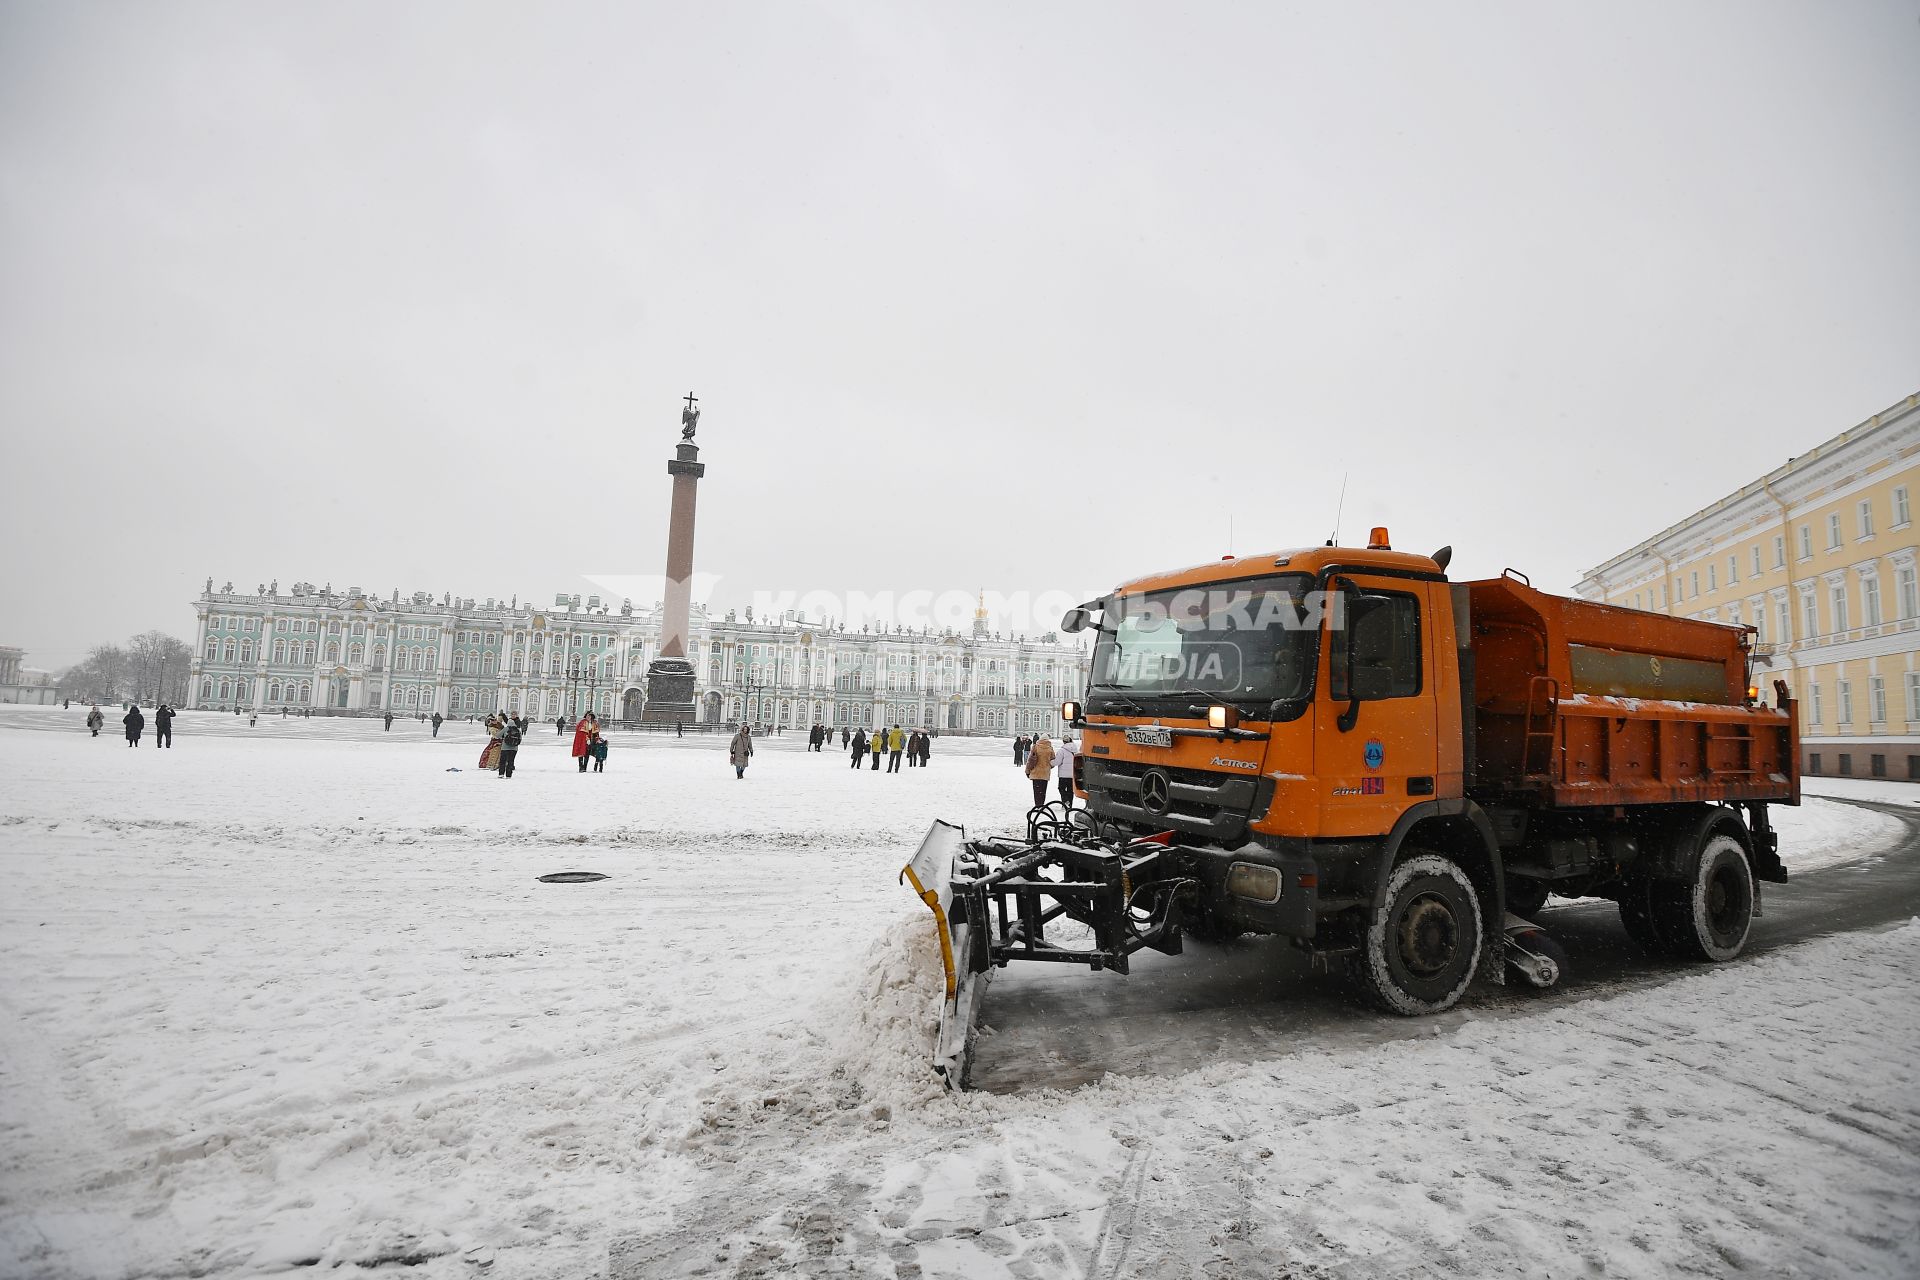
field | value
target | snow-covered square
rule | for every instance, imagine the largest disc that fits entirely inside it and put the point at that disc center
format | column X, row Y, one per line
column 290, row 997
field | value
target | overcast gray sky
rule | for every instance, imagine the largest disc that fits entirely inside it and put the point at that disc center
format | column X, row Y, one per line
column 1017, row 295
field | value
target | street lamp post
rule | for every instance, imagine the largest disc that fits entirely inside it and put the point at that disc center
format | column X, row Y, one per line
column 578, row 674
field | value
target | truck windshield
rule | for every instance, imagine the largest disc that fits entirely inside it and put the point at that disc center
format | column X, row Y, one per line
column 1249, row 641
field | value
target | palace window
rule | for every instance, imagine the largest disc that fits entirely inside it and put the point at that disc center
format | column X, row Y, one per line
column 333, row 651
column 1870, row 602
column 1806, row 541
column 1902, row 513
column 1866, row 518
column 1833, row 531
column 1844, row 691
column 1877, row 699
column 1840, row 622
column 355, row 654
column 246, row 651
column 226, row 653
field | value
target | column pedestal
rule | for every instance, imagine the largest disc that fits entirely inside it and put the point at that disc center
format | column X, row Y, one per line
column 669, row 692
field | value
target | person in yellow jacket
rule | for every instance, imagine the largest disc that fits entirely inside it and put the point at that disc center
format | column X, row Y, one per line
column 896, row 743
column 1039, row 766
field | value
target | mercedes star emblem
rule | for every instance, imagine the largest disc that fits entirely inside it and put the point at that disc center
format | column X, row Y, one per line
column 1154, row 795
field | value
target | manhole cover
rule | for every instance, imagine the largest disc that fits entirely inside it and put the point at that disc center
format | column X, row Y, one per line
column 572, row 877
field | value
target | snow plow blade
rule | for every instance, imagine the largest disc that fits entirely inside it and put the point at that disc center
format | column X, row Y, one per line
column 931, row 873
column 993, row 899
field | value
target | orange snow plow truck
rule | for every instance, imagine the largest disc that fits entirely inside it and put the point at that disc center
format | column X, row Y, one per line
column 1391, row 770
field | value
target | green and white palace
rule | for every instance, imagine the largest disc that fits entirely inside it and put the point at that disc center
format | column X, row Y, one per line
column 346, row 653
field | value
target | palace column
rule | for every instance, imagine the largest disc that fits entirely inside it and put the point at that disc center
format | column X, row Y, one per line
column 670, row 676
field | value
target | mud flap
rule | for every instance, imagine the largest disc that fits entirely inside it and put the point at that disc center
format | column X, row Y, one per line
column 930, row 873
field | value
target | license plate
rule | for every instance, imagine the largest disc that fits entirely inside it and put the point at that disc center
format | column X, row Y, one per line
column 1151, row 735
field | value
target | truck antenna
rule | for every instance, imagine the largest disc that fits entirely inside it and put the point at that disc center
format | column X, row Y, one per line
column 1333, row 539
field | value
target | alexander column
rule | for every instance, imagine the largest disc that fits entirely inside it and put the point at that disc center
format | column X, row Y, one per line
column 670, row 676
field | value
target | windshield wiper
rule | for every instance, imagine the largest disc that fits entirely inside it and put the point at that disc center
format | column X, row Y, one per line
column 1121, row 697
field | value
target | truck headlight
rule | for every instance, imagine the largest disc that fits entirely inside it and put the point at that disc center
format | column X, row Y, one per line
column 1252, row 881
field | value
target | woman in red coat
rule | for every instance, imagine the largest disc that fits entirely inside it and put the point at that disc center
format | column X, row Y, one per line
column 583, row 738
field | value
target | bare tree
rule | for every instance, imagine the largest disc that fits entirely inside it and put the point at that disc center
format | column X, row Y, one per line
column 152, row 668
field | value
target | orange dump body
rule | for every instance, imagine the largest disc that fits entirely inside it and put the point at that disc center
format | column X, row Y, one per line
column 1578, row 704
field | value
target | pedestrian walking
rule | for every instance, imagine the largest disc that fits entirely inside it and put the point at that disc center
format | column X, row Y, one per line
column 813, row 737
column 846, row 736
column 163, row 726
column 859, row 748
column 436, row 724
column 679, row 729
column 389, row 719
column 896, row 744
column 599, row 752
column 877, row 744
column 583, row 738
column 1020, row 745
column 740, row 750
column 1039, row 765
column 135, row 722
column 510, row 746
column 95, row 720
column 1065, row 759
column 926, row 749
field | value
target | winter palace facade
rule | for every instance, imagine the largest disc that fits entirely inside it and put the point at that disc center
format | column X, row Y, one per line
column 347, row 652
column 1819, row 558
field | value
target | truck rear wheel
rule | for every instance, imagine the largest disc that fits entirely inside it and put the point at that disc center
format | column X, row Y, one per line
column 1709, row 916
column 1636, row 915
column 1424, row 942
column 1525, row 896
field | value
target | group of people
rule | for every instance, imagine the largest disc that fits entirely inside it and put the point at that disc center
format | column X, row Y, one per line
column 915, row 744
column 504, row 735
column 589, row 744
column 135, row 722
column 1041, row 758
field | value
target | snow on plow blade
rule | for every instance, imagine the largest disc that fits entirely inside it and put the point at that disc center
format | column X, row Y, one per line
column 930, row 872
column 992, row 901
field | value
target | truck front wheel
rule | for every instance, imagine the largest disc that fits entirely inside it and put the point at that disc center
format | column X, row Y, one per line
column 1424, row 941
column 1708, row 916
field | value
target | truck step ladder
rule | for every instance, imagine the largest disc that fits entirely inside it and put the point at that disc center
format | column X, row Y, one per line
column 1542, row 732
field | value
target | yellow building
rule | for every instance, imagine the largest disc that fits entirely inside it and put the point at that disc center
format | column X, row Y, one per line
column 1818, row 558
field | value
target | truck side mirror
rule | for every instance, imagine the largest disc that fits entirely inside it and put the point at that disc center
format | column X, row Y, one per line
column 1076, row 620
